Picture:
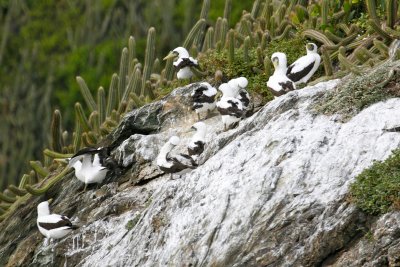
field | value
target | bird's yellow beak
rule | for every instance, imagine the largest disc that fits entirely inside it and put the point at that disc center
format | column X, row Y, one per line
column 275, row 62
column 50, row 200
column 171, row 55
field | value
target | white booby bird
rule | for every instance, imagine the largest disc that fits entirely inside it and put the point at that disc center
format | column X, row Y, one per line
column 302, row 69
column 229, row 107
column 171, row 163
column 203, row 99
column 197, row 143
column 184, row 63
column 238, row 86
column 52, row 225
column 279, row 84
column 92, row 165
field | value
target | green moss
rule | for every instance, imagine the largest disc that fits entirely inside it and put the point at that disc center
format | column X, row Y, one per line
column 359, row 92
column 376, row 189
column 131, row 223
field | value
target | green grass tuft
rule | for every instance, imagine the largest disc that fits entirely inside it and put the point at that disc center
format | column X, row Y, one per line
column 358, row 92
column 377, row 189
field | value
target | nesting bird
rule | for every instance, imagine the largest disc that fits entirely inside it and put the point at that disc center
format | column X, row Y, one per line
column 303, row 68
column 197, row 143
column 230, row 108
column 92, row 165
column 238, row 86
column 203, row 99
column 279, row 84
column 183, row 64
column 171, row 163
column 52, row 225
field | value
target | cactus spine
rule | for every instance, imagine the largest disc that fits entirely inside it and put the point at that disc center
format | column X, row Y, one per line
column 112, row 95
column 101, row 104
column 87, row 96
column 149, row 56
column 56, row 132
column 123, row 73
column 194, row 32
column 231, row 46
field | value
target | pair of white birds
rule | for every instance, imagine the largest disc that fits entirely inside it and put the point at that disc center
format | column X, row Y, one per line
column 286, row 78
column 173, row 163
column 232, row 106
column 91, row 166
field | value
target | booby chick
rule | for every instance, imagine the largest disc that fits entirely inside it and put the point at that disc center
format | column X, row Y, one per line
column 230, row 108
column 203, row 99
column 92, row 165
column 302, row 69
column 279, row 84
column 183, row 64
column 52, row 225
column 172, row 163
column 197, row 143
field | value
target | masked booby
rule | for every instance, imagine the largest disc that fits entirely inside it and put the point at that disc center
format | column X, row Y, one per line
column 302, row 69
column 203, row 99
column 238, row 86
column 52, row 225
column 92, row 165
column 184, row 62
column 230, row 108
column 172, row 163
column 197, row 143
column 279, row 84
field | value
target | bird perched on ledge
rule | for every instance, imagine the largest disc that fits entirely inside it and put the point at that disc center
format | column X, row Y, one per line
column 203, row 99
column 230, row 108
column 279, row 84
column 172, row 163
column 184, row 63
column 52, row 225
column 197, row 143
column 302, row 69
column 92, row 164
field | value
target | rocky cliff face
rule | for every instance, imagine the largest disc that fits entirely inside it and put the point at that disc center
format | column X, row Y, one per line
column 271, row 192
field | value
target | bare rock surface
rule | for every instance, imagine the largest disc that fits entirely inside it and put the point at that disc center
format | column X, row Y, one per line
column 272, row 192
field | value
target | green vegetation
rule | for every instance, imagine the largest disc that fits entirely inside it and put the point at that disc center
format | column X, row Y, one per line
column 359, row 92
column 376, row 189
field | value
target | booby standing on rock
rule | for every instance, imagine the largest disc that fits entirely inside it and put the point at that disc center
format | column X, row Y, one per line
column 238, row 86
column 184, row 63
column 52, row 225
column 92, row 165
column 231, row 108
column 302, row 69
column 169, row 163
column 279, row 84
column 203, row 99
column 197, row 143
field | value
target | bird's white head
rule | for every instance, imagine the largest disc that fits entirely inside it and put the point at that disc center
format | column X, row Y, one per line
column 279, row 60
column 226, row 90
column 43, row 208
column 179, row 52
column 206, row 84
column 311, row 47
column 242, row 82
column 174, row 140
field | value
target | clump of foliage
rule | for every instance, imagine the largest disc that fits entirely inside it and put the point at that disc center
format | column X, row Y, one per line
column 376, row 189
column 359, row 92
